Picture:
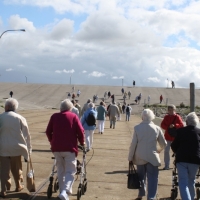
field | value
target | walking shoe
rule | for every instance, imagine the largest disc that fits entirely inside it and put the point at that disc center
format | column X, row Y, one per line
column 19, row 189
column 101, row 132
column 166, row 168
column 63, row 195
column 110, row 126
column 113, row 127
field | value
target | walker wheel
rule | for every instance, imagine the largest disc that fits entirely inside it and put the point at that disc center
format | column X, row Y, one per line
column 49, row 192
column 56, row 185
column 198, row 193
column 85, row 187
column 79, row 192
column 174, row 193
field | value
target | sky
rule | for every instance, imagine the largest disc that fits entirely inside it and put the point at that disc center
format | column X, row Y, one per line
column 101, row 42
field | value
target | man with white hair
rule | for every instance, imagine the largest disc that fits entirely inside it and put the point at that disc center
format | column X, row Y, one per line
column 113, row 113
column 64, row 131
column 89, row 124
column 15, row 141
column 186, row 147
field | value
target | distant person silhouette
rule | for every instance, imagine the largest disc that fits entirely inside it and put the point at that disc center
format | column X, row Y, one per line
column 173, row 84
column 133, row 83
column 11, row 94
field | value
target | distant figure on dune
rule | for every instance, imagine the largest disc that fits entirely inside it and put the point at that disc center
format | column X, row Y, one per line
column 105, row 95
column 11, row 94
column 173, row 84
column 73, row 88
column 73, row 96
column 122, row 91
column 129, row 94
column 113, row 98
column 74, row 109
column 78, row 93
column 128, row 112
column 123, row 108
column 161, row 98
column 69, row 95
column 149, row 98
column 133, row 83
column 109, row 94
column 113, row 112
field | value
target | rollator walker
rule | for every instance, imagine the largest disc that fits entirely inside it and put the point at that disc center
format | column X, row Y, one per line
column 80, row 170
column 174, row 190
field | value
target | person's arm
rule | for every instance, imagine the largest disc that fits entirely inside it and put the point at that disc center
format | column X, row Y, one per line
column 164, row 123
column 26, row 134
column 133, row 147
column 49, row 130
column 176, row 142
column 161, row 139
column 179, row 122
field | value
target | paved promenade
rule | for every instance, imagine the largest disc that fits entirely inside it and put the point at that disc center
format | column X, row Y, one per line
column 107, row 170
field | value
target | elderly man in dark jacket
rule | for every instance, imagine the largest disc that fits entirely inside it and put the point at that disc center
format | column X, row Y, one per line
column 186, row 146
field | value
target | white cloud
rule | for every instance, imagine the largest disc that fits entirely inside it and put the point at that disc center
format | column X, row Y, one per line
column 154, row 79
column 116, row 77
column 10, row 69
column 65, row 71
column 84, row 71
column 96, row 74
column 20, row 65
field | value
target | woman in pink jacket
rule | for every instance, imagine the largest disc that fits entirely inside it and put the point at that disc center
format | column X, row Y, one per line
column 64, row 131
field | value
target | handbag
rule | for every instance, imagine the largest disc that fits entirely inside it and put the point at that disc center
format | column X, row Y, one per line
column 30, row 182
column 172, row 131
column 133, row 179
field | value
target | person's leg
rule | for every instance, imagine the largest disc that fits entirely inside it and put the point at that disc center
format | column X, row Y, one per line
column 182, row 169
column 126, row 116
column 91, row 138
column 99, row 125
column 167, row 155
column 5, row 173
column 70, row 170
column 60, row 170
column 192, row 171
column 114, row 121
column 103, row 125
column 141, row 170
column 152, row 178
column 87, row 138
column 16, row 169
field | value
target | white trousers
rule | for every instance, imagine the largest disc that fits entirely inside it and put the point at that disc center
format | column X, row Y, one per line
column 101, row 125
column 89, row 138
column 66, row 169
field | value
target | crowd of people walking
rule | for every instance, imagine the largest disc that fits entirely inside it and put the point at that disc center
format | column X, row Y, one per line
column 73, row 125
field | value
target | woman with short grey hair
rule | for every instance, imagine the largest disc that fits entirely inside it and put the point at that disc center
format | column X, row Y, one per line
column 15, row 141
column 64, row 130
column 144, row 153
column 187, row 150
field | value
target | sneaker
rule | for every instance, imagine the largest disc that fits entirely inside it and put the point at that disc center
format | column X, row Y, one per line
column 166, row 168
column 110, row 126
column 63, row 195
column 101, row 132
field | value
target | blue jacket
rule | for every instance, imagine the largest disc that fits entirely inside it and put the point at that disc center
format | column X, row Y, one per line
column 84, row 117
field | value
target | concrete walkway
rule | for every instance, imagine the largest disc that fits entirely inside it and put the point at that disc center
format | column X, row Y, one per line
column 107, row 170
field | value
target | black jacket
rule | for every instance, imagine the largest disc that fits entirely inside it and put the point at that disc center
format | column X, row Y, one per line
column 186, row 145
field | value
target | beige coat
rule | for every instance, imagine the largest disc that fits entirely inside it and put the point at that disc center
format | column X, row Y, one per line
column 14, row 135
column 144, row 147
column 113, row 111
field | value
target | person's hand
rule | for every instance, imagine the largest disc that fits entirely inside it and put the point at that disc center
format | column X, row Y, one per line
column 171, row 126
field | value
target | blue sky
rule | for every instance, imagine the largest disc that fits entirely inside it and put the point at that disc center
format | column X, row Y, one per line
column 101, row 42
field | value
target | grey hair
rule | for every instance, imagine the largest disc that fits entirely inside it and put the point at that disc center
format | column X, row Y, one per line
column 147, row 115
column 192, row 119
column 90, row 105
column 11, row 104
column 66, row 105
column 171, row 106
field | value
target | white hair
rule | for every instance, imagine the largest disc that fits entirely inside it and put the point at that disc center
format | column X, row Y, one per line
column 66, row 105
column 90, row 105
column 171, row 106
column 192, row 119
column 147, row 115
column 11, row 104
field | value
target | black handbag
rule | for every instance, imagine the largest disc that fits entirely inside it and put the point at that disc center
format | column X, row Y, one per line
column 172, row 131
column 133, row 179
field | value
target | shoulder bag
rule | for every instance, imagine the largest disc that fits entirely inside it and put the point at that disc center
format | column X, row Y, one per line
column 172, row 131
column 133, row 179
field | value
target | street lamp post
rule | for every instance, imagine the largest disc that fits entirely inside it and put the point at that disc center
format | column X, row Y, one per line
column 70, row 80
column 11, row 30
column 122, row 82
column 26, row 78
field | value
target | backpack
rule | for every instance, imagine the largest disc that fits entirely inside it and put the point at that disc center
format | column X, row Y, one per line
column 127, row 109
column 91, row 120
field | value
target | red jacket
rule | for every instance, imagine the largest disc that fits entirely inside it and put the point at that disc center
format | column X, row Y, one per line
column 64, row 131
column 168, row 119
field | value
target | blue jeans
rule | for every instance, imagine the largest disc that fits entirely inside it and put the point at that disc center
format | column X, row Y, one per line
column 151, row 173
column 167, row 154
column 127, row 116
column 186, row 179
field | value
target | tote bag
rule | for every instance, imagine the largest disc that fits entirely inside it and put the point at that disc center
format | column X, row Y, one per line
column 30, row 182
column 133, row 179
column 172, row 131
